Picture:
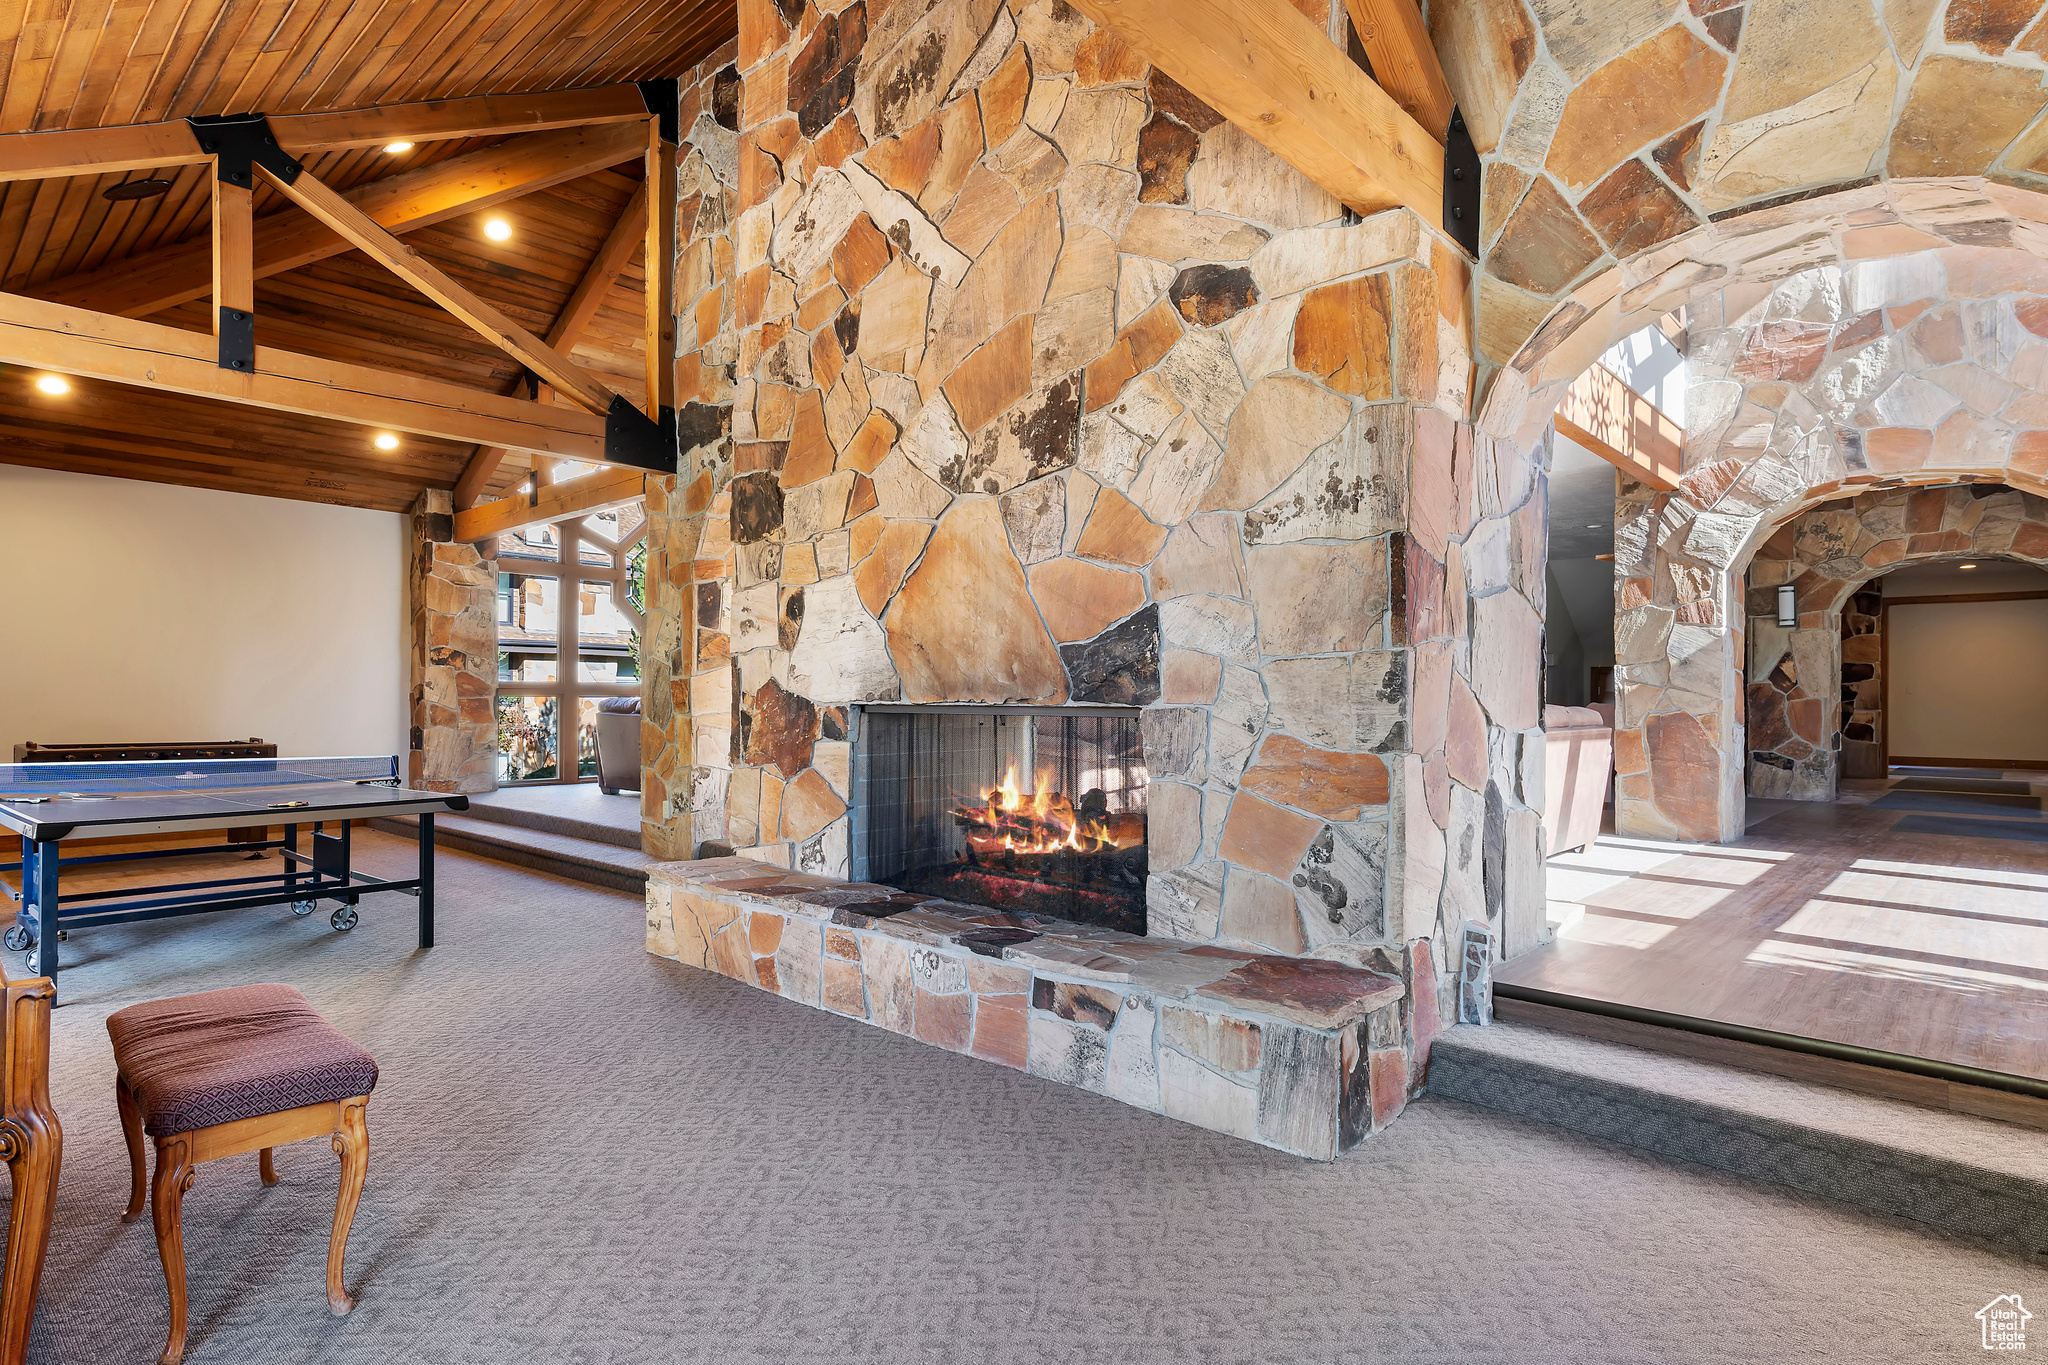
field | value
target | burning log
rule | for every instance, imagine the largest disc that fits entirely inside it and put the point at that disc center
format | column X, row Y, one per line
column 1015, row 825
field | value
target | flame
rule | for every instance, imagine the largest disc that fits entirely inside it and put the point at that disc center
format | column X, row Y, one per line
column 1042, row 820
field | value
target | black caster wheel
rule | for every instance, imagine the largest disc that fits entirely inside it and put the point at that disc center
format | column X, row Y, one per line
column 16, row 938
column 344, row 919
column 609, row 791
column 35, row 961
column 304, row 907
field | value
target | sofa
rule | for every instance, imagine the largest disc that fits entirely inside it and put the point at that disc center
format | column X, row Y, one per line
column 1578, row 761
column 618, row 745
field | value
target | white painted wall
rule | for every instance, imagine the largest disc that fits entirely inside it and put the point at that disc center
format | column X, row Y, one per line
column 1968, row 679
column 141, row 611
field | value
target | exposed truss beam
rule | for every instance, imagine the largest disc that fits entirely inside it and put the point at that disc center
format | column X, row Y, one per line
column 34, row 332
column 145, row 146
column 311, row 194
column 1278, row 76
column 165, row 278
column 660, row 313
column 479, row 116
column 1403, row 60
column 611, row 260
column 596, row 492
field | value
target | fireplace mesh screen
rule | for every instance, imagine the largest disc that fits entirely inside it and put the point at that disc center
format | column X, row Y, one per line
column 1031, row 811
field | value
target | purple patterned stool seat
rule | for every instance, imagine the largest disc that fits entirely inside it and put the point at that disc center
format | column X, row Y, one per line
column 195, row 1061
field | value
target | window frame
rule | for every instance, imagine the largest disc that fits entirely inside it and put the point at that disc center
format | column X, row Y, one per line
column 569, row 690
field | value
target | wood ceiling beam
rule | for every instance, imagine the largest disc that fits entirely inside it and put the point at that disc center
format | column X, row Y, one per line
column 146, row 146
column 598, row 492
column 98, row 151
column 1403, row 60
column 1622, row 427
column 173, row 275
column 480, row 116
column 611, row 260
column 1278, row 76
column 569, row 379
column 659, row 310
column 34, row 332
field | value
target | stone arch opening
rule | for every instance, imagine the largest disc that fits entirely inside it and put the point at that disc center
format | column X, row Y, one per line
column 1805, row 685
column 1825, row 338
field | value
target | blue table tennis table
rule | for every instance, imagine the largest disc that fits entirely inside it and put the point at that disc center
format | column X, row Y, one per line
column 50, row 803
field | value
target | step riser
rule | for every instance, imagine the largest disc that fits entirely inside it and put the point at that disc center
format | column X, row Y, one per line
column 548, row 824
column 611, row 878
column 1981, row 1205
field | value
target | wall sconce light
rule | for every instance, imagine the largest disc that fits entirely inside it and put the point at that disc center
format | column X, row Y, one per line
column 1788, row 605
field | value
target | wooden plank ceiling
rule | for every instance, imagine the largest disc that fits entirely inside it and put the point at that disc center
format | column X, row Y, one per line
column 98, row 63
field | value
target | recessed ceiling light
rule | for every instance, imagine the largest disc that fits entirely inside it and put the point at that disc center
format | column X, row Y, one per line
column 1966, row 566
column 385, row 441
column 1592, row 526
column 498, row 230
column 54, row 384
column 135, row 189
column 396, row 147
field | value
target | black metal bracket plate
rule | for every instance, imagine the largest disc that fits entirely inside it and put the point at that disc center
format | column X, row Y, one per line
column 238, row 141
column 630, row 438
column 1461, row 185
column 238, row 340
column 665, row 101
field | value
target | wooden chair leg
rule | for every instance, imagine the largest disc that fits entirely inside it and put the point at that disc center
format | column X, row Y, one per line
column 131, row 1129
column 35, row 1146
column 174, row 1174
column 265, row 1167
column 352, row 1145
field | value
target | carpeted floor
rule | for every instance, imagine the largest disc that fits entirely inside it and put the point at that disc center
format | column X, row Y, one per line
column 580, row 1153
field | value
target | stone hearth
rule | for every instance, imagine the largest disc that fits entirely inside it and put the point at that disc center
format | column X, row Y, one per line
column 1304, row 1055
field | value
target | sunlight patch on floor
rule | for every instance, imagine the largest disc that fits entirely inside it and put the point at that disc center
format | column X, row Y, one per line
column 1951, row 977
column 1929, row 893
column 1918, row 931
column 1955, row 874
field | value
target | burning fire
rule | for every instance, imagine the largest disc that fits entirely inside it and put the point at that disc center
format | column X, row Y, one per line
column 1042, row 820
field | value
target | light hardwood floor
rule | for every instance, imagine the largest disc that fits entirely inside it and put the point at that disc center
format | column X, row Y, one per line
column 1825, row 921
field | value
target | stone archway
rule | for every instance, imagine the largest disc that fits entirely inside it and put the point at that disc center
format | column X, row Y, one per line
column 1796, row 686
column 1607, row 131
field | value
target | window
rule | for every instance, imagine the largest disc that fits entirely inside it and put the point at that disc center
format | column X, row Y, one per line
column 569, row 621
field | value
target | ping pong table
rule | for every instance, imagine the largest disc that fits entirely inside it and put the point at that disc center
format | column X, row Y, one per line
column 49, row 803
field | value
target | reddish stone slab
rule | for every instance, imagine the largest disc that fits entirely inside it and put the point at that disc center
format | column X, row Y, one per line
column 1304, row 990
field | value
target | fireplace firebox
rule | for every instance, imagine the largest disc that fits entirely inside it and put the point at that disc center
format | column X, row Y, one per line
column 1034, row 810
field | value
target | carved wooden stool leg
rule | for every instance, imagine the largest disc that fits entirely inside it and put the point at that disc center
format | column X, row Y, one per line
column 352, row 1145
column 35, row 1149
column 167, row 1196
column 131, row 1129
column 264, row 1166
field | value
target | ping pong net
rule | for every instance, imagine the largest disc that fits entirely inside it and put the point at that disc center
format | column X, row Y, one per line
column 163, row 777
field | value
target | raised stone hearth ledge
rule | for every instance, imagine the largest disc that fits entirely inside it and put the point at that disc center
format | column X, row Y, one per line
column 1307, row 1055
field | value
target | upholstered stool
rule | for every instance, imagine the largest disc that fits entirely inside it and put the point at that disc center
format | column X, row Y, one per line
column 227, row 1072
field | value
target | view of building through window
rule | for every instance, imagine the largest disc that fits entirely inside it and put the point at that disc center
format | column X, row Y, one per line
column 568, row 636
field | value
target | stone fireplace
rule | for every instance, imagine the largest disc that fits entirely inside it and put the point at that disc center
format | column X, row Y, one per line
column 1022, row 389
column 1038, row 811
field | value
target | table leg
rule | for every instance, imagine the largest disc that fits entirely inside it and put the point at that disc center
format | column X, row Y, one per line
column 48, row 923
column 426, row 881
column 291, row 865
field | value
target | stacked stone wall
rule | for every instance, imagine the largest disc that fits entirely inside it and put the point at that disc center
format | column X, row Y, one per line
column 1047, row 384
column 453, row 657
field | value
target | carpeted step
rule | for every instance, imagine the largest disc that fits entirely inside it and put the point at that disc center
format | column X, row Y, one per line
column 579, row 860
column 551, row 822
column 1974, row 1177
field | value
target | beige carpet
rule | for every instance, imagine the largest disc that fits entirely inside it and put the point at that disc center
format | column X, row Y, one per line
column 579, row 1153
